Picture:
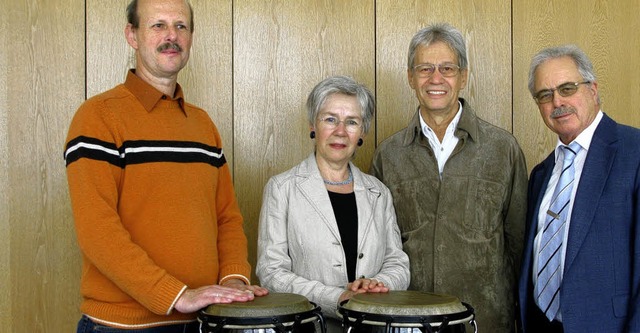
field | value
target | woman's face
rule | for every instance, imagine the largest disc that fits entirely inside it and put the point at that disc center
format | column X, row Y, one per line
column 338, row 129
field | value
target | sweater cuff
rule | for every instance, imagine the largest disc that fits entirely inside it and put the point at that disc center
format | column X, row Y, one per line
column 235, row 276
column 168, row 291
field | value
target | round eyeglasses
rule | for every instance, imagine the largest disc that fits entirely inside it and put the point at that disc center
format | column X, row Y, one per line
column 565, row 90
column 352, row 125
column 426, row 70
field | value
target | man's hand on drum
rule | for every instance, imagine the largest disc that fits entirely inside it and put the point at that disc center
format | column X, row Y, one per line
column 193, row 300
column 240, row 285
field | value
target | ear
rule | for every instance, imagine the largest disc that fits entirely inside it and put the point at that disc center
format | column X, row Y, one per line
column 130, row 35
column 464, row 74
column 410, row 78
column 594, row 90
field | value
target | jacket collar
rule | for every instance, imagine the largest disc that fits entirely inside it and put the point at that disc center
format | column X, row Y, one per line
column 467, row 126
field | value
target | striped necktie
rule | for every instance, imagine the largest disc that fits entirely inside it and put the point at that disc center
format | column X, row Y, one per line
column 547, row 288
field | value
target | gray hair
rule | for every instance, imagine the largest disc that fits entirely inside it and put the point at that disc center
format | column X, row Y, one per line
column 439, row 32
column 134, row 19
column 585, row 68
column 341, row 85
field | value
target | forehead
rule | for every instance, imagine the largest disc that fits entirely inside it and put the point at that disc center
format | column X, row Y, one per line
column 164, row 10
column 341, row 104
column 556, row 71
column 436, row 52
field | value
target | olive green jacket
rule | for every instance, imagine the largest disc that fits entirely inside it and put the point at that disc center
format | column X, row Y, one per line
column 463, row 233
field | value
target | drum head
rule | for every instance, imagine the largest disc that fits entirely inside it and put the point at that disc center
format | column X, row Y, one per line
column 405, row 303
column 273, row 304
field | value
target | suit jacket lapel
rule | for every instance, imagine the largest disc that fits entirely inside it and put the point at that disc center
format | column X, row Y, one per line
column 592, row 181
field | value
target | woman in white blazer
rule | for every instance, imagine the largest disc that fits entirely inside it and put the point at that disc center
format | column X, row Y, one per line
column 327, row 230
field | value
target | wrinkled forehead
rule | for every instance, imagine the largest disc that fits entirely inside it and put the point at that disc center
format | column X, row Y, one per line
column 168, row 10
column 556, row 71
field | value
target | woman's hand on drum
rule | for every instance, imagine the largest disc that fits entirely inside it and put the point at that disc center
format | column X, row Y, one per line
column 368, row 286
column 193, row 300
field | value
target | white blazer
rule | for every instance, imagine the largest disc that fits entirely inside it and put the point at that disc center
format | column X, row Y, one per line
column 299, row 249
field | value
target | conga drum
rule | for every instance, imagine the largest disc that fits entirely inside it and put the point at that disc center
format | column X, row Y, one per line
column 405, row 311
column 275, row 312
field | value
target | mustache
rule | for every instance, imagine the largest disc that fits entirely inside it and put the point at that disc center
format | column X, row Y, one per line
column 561, row 111
column 173, row 46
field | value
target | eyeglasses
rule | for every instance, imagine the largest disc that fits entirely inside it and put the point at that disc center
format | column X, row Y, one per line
column 565, row 90
column 352, row 125
column 426, row 70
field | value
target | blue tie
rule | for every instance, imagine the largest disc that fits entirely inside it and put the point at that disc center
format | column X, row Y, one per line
column 547, row 288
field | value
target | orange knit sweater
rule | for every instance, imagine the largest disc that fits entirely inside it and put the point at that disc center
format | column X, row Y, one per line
column 153, row 203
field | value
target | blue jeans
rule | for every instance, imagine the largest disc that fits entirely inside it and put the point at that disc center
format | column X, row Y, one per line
column 85, row 325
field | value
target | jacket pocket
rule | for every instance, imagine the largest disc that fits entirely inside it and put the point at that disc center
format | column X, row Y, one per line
column 620, row 305
column 483, row 211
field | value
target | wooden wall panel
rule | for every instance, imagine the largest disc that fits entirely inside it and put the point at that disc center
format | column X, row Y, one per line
column 485, row 25
column 5, row 247
column 606, row 30
column 43, row 74
column 282, row 49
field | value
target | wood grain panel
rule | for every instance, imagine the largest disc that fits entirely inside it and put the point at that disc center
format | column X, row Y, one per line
column 607, row 31
column 486, row 28
column 5, row 246
column 282, row 49
column 45, row 83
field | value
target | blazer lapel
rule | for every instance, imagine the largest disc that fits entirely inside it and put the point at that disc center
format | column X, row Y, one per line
column 592, row 181
column 366, row 201
column 312, row 188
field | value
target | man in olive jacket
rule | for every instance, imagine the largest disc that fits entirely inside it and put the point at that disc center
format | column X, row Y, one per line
column 458, row 185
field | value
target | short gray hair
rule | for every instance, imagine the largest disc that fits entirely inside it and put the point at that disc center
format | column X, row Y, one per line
column 341, row 85
column 585, row 68
column 439, row 32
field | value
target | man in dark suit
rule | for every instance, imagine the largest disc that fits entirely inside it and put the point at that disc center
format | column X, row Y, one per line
column 581, row 264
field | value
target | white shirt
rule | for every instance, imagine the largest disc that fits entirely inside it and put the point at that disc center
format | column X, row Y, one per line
column 584, row 139
column 442, row 150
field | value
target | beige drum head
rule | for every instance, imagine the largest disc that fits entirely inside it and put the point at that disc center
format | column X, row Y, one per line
column 273, row 304
column 405, row 303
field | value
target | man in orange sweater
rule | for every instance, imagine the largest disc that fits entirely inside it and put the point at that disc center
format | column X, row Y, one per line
column 156, row 217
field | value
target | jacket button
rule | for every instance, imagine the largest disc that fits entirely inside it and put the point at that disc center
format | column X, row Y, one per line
column 360, row 256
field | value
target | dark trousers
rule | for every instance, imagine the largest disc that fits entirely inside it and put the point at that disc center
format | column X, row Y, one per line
column 85, row 325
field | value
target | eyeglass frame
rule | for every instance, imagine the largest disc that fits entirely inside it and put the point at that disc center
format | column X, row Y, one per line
column 348, row 127
column 575, row 85
column 439, row 67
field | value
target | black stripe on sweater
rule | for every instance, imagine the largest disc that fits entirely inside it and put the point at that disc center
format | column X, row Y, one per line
column 143, row 151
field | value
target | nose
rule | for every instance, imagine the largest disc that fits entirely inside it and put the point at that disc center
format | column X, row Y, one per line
column 558, row 100
column 171, row 34
column 436, row 76
column 341, row 127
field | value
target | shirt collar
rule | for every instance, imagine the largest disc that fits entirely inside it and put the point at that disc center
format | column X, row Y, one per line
column 584, row 138
column 451, row 128
column 147, row 94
